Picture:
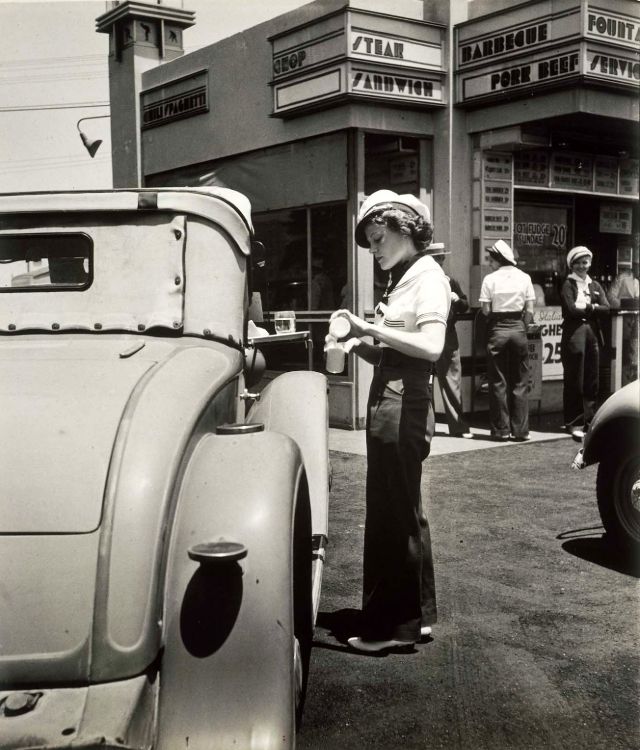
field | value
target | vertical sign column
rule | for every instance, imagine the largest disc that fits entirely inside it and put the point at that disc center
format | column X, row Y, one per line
column 492, row 208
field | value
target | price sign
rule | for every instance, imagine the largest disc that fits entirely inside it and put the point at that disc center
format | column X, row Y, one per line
column 606, row 174
column 531, row 168
column 574, row 171
column 550, row 320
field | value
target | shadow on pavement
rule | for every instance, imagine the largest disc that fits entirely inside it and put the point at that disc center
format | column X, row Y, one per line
column 601, row 551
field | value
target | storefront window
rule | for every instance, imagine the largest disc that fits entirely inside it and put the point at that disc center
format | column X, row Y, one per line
column 306, row 271
column 541, row 241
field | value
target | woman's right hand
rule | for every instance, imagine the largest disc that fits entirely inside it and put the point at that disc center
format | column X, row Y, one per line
column 358, row 325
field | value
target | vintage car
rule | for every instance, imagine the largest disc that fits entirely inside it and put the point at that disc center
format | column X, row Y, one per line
column 613, row 442
column 162, row 521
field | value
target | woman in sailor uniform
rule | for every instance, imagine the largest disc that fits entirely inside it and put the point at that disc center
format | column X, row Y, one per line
column 583, row 301
column 398, row 600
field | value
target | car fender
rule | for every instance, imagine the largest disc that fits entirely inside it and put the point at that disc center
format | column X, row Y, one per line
column 228, row 629
column 295, row 404
column 614, row 426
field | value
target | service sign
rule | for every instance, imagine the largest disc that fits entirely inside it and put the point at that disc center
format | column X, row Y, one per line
column 615, row 67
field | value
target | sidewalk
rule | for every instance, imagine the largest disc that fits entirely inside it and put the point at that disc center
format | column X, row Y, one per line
column 353, row 441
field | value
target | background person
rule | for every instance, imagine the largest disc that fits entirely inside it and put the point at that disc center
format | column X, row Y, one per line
column 398, row 599
column 583, row 301
column 507, row 299
column 448, row 368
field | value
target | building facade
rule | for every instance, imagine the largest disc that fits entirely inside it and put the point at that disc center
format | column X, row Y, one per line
column 513, row 121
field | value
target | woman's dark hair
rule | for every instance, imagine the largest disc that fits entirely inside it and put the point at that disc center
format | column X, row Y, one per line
column 413, row 226
column 499, row 258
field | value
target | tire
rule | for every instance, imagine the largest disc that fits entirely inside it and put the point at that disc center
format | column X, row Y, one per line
column 618, row 490
column 302, row 600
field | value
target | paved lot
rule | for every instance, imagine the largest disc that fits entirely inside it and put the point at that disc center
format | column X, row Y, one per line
column 537, row 640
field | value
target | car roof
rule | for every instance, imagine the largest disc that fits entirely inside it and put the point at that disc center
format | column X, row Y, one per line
column 218, row 204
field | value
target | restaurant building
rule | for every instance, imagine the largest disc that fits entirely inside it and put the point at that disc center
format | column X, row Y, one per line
column 514, row 121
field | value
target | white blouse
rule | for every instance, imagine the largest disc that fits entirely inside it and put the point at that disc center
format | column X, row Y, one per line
column 421, row 296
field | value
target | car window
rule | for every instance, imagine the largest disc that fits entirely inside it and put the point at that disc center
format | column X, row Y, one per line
column 37, row 262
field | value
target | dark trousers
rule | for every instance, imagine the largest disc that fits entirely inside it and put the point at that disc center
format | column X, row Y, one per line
column 449, row 373
column 398, row 580
column 580, row 361
column 508, row 371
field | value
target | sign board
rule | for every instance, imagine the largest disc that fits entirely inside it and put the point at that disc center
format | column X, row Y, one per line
column 629, row 177
column 534, row 385
column 571, row 171
column 617, row 67
column 396, row 86
column 619, row 29
column 605, row 174
column 370, row 46
column 351, row 55
column 518, row 31
column 616, row 218
column 531, row 168
column 175, row 100
column 550, row 320
column 528, row 47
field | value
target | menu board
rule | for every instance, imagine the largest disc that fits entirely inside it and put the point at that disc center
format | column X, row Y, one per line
column 531, row 168
column 606, row 174
column 629, row 177
column 496, row 223
column 497, row 166
column 616, row 219
column 497, row 194
column 573, row 171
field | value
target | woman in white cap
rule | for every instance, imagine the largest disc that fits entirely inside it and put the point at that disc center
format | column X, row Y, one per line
column 583, row 300
column 398, row 599
column 507, row 299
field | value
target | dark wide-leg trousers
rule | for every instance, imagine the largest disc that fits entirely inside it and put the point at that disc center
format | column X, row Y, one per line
column 581, row 362
column 449, row 373
column 508, row 371
column 398, row 580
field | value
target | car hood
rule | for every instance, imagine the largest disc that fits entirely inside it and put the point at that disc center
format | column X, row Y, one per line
column 67, row 406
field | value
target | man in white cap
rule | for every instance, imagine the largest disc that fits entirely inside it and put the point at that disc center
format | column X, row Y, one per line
column 507, row 299
column 583, row 302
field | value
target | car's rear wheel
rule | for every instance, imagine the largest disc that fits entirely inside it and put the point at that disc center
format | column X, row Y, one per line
column 303, row 605
column 618, row 490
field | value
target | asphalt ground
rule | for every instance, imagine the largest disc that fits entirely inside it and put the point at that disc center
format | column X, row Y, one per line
column 537, row 640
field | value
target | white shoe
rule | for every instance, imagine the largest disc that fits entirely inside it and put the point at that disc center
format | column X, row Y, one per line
column 372, row 647
column 425, row 631
column 577, row 434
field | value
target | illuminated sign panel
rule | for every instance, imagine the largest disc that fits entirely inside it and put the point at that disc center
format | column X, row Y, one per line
column 521, row 74
column 354, row 54
column 175, row 100
column 621, row 30
column 365, row 45
column 478, row 42
column 395, row 86
column 516, row 51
